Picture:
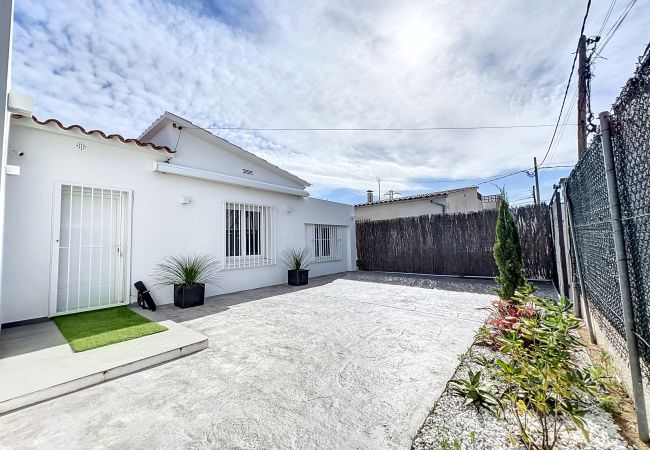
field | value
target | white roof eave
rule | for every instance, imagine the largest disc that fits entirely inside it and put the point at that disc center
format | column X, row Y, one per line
column 168, row 117
column 216, row 177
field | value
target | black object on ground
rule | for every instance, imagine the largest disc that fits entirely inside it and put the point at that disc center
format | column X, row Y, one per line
column 188, row 295
column 144, row 297
column 298, row 277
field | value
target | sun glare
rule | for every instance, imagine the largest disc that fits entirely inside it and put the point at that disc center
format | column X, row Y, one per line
column 414, row 38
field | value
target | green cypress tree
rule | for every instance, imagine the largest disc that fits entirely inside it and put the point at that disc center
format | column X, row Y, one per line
column 507, row 253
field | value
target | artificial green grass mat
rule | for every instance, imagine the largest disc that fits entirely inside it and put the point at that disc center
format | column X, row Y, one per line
column 93, row 329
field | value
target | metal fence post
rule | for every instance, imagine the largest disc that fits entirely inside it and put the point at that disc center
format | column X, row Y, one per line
column 558, row 240
column 624, row 280
column 572, row 288
column 582, row 293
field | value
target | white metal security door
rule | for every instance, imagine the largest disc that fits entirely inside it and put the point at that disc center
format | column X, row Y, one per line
column 90, row 248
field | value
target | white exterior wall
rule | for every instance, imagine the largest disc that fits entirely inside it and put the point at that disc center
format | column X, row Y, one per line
column 464, row 201
column 6, row 26
column 490, row 205
column 196, row 148
column 161, row 226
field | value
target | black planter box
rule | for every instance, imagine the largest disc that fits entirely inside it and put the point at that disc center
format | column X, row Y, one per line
column 298, row 277
column 188, row 295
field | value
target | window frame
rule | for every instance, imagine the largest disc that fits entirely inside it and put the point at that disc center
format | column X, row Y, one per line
column 325, row 242
column 249, row 235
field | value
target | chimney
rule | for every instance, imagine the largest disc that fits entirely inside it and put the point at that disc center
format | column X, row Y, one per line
column 370, row 196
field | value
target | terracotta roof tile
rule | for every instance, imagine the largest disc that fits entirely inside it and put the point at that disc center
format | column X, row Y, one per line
column 418, row 196
column 99, row 133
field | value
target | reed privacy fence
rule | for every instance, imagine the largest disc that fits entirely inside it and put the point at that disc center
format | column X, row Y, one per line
column 587, row 191
column 453, row 244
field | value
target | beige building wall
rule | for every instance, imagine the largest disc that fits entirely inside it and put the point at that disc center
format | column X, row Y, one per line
column 407, row 208
column 462, row 201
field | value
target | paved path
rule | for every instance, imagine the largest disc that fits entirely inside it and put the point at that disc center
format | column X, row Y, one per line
column 350, row 362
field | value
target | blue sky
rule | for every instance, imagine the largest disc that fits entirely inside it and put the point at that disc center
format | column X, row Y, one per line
column 118, row 65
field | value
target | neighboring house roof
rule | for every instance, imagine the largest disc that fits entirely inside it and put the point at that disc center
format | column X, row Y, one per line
column 418, row 196
column 168, row 117
column 99, row 133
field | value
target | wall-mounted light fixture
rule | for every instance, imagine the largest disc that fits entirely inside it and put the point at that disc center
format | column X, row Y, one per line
column 20, row 103
column 185, row 201
column 12, row 170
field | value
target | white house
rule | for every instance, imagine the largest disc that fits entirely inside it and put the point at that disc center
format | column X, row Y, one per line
column 460, row 200
column 92, row 213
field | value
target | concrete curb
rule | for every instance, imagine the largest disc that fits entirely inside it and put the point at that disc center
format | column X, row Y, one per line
column 98, row 377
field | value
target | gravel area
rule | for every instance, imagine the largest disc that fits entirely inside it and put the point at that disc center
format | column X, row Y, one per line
column 450, row 425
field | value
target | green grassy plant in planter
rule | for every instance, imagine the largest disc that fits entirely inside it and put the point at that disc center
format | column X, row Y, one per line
column 297, row 259
column 188, row 275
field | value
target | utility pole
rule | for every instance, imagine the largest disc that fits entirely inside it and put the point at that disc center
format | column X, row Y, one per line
column 537, row 202
column 582, row 95
column 379, row 186
column 534, row 196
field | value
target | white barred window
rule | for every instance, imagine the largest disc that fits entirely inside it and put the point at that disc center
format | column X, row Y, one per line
column 250, row 232
column 325, row 242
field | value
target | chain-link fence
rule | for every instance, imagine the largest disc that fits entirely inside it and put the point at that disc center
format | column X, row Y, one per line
column 587, row 195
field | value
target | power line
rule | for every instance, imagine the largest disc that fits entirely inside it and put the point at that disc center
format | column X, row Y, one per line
column 450, row 181
column 566, row 119
column 614, row 28
column 521, row 171
column 607, row 15
column 525, row 196
column 450, row 128
column 568, row 85
column 486, row 179
column 557, row 167
column 501, row 177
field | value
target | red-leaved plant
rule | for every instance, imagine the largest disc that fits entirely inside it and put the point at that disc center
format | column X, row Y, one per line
column 507, row 316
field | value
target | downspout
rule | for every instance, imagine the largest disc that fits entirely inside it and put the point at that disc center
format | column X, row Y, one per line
column 444, row 207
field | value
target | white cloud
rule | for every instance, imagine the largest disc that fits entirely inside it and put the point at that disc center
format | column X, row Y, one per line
column 117, row 65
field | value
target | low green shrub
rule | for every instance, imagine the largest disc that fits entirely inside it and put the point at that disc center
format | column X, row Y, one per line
column 544, row 388
column 610, row 404
column 477, row 392
column 187, row 270
column 456, row 443
column 539, row 383
column 296, row 258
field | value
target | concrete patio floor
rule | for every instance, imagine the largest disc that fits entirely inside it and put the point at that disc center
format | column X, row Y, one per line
column 351, row 361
